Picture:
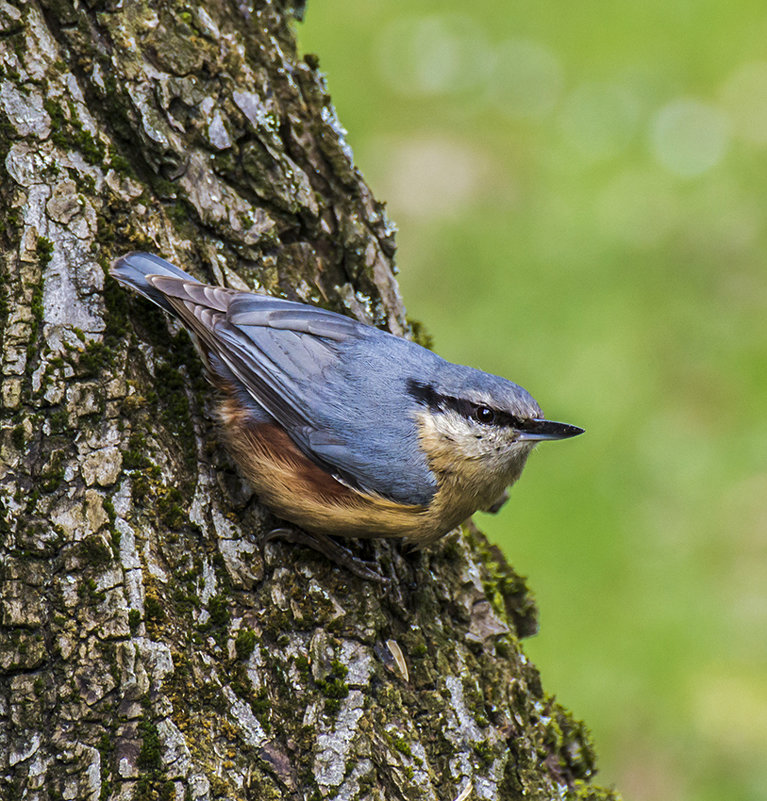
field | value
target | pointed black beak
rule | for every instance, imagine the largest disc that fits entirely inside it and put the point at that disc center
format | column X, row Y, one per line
column 535, row 430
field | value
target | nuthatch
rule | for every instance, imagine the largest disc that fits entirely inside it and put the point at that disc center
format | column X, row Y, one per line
column 340, row 427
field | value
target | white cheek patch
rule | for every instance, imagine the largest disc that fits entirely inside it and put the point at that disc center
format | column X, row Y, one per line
column 449, row 432
column 450, row 425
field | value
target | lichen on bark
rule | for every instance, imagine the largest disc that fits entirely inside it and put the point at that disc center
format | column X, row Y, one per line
column 148, row 647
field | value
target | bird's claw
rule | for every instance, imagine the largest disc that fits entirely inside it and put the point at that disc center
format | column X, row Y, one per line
column 323, row 544
column 497, row 505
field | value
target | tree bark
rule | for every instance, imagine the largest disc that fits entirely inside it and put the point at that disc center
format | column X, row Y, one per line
column 148, row 648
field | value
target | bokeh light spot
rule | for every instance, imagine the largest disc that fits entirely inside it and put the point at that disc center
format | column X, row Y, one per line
column 600, row 119
column 434, row 55
column 744, row 96
column 430, row 177
column 689, row 137
column 527, row 78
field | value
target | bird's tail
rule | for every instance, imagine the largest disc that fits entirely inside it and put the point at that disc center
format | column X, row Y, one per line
column 133, row 268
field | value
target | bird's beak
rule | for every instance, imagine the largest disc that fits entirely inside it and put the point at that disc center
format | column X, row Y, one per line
column 535, row 430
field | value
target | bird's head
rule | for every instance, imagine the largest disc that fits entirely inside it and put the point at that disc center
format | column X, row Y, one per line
column 480, row 428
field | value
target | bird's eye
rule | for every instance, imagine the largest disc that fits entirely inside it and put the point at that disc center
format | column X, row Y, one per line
column 483, row 414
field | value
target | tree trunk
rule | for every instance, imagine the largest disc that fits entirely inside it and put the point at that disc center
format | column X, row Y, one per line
column 148, row 648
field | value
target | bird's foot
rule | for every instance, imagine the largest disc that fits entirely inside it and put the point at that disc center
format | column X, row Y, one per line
column 498, row 504
column 323, row 544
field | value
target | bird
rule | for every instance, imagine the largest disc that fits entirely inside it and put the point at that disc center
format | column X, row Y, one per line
column 343, row 429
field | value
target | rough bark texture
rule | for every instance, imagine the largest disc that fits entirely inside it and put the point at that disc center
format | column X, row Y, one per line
column 147, row 647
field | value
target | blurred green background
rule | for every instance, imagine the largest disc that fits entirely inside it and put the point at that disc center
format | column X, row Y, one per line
column 581, row 195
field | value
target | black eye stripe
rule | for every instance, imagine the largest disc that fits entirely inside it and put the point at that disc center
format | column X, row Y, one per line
column 436, row 401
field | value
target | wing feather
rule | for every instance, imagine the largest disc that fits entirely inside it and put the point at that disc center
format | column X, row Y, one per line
column 287, row 357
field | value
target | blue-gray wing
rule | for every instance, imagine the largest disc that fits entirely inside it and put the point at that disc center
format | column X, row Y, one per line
column 308, row 369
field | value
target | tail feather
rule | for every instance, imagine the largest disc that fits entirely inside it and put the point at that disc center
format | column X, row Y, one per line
column 143, row 273
column 132, row 271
